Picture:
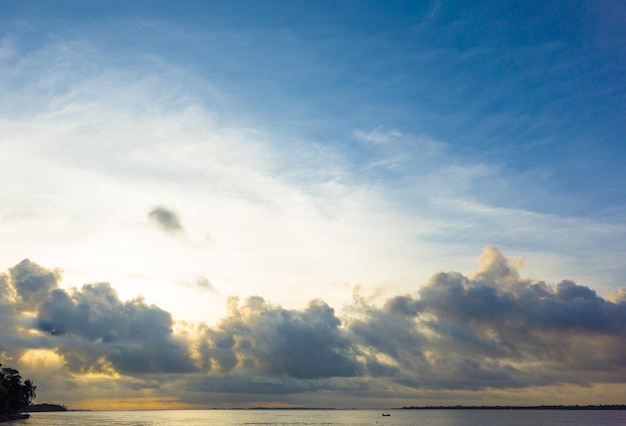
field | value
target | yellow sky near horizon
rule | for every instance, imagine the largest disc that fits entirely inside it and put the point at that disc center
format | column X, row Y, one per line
column 566, row 395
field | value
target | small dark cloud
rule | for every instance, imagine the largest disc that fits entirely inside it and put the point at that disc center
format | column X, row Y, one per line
column 205, row 283
column 166, row 219
column 202, row 283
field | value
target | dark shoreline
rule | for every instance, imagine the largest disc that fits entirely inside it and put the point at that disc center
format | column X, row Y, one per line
column 12, row 417
column 519, row 407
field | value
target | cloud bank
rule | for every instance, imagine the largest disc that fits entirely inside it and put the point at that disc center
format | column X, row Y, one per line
column 489, row 331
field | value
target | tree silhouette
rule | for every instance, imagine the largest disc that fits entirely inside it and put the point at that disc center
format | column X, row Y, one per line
column 15, row 396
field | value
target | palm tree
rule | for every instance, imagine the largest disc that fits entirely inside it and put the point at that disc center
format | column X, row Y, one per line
column 28, row 392
column 16, row 396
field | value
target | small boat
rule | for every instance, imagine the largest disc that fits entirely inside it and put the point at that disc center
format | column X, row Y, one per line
column 386, row 415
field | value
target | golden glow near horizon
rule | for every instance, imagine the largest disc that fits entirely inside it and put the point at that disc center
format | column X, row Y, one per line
column 141, row 403
column 609, row 393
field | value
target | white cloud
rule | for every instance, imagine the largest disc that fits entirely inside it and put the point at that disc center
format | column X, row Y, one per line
column 377, row 136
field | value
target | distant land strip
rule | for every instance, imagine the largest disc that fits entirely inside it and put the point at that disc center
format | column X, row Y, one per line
column 45, row 407
column 517, row 407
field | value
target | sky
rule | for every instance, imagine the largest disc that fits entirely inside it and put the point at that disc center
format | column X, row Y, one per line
column 321, row 204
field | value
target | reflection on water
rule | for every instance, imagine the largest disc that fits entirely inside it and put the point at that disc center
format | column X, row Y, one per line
column 329, row 417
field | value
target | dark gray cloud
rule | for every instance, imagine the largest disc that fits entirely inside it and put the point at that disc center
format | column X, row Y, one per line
column 8, row 316
column 259, row 337
column 133, row 337
column 489, row 330
column 90, row 327
column 32, row 282
column 22, row 291
column 255, row 384
column 166, row 219
column 494, row 330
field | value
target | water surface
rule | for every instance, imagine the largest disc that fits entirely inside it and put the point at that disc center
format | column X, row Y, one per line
column 329, row 417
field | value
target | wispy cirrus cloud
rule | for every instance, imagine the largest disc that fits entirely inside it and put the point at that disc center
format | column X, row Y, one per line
column 378, row 136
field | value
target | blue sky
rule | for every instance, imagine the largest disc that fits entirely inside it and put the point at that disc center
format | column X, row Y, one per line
column 535, row 90
column 189, row 152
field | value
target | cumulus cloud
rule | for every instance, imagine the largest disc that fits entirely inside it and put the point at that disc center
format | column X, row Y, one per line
column 166, row 219
column 489, row 330
column 91, row 328
column 258, row 337
column 496, row 330
column 33, row 283
column 93, row 323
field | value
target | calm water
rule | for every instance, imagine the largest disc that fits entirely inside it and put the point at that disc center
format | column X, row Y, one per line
column 329, row 417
